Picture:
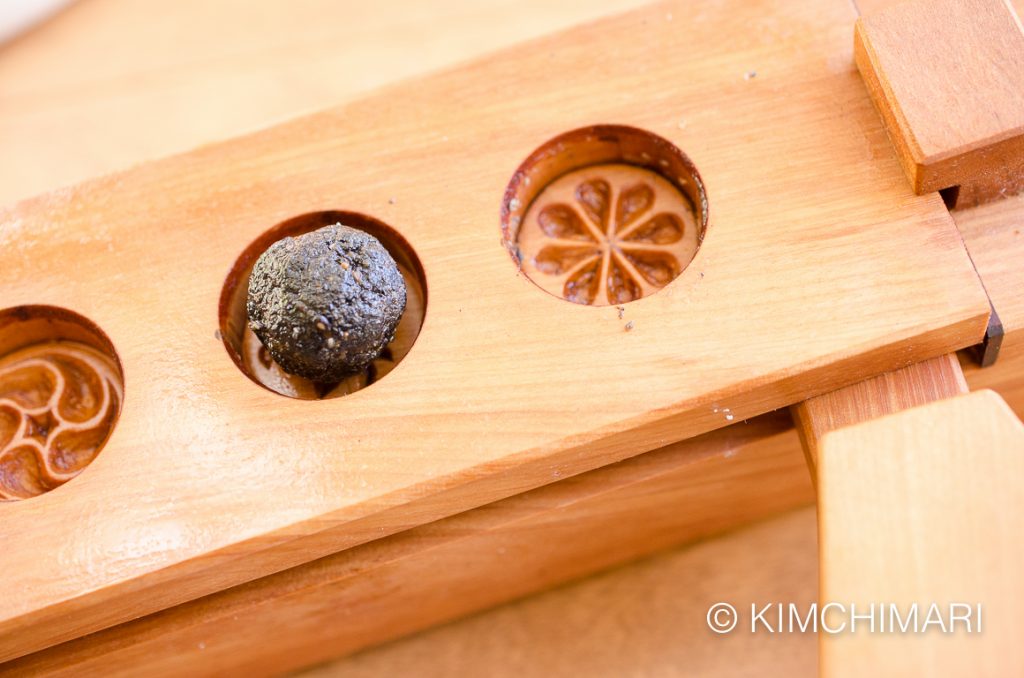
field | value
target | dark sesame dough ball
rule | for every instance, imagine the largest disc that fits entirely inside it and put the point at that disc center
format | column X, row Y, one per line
column 325, row 304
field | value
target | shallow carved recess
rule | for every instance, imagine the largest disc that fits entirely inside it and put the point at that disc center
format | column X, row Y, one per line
column 604, row 215
column 607, row 234
column 58, row 404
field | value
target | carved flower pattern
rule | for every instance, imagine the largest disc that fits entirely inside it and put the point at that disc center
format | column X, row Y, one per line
column 616, row 238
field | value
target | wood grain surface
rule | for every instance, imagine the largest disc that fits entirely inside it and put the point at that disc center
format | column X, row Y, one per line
column 393, row 586
column 948, row 79
column 111, row 113
column 924, row 506
column 647, row 619
column 861, row 275
column 901, row 389
column 994, row 235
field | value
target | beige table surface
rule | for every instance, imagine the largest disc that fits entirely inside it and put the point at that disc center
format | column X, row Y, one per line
column 110, row 83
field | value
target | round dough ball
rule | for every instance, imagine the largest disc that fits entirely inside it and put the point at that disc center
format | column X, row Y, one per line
column 325, row 304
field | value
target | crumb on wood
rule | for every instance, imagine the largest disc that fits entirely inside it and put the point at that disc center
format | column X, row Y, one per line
column 750, row 75
column 621, row 310
column 629, row 326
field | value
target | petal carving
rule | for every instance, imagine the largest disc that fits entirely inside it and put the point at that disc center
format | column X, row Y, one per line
column 621, row 286
column 594, row 197
column 634, row 201
column 582, row 286
column 30, row 386
column 556, row 259
column 83, row 389
column 562, row 221
column 657, row 268
column 22, row 474
column 661, row 229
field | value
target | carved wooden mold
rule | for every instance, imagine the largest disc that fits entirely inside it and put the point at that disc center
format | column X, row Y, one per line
column 59, row 400
column 604, row 215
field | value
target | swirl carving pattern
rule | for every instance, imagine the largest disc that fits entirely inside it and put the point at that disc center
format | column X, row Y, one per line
column 58, row 404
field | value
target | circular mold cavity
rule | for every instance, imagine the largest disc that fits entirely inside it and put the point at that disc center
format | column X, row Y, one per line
column 61, row 389
column 604, row 215
column 253, row 359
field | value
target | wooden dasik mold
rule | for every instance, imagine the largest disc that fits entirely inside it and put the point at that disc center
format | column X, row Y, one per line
column 618, row 224
column 60, row 395
column 820, row 268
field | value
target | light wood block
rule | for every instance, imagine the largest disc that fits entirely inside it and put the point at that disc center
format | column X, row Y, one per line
column 894, row 391
column 925, row 506
column 434, row 573
column 801, row 286
column 994, row 236
column 947, row 77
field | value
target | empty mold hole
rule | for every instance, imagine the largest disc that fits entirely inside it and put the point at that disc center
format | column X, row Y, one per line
column 253, row 359
column 61, row 389
column 604, row 215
